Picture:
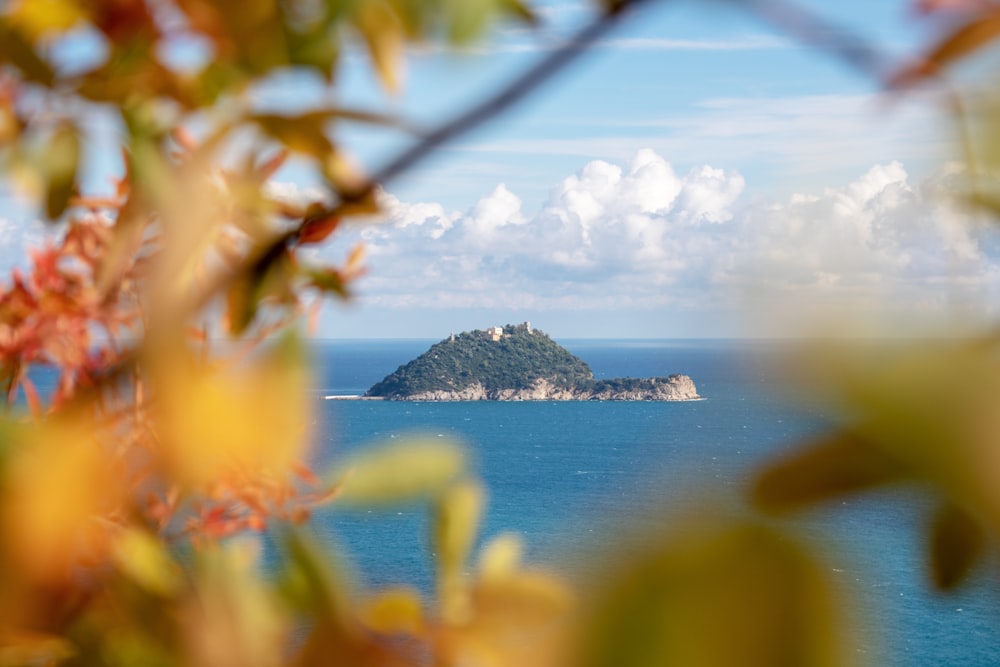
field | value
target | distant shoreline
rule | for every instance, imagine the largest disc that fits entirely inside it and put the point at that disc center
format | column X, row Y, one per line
column 358, row 397
column 352, row 397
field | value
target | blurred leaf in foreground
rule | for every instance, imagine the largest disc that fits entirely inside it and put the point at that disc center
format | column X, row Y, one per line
column 926, row 413
column 716, row 594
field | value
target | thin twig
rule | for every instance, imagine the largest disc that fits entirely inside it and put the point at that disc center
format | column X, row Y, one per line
column 496, row 104
column 820, row 33
column 465, row 122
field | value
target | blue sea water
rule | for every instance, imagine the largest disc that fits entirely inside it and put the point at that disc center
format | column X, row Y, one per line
column 573, row 477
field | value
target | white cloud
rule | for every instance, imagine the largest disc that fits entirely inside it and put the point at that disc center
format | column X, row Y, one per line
column 640, row 235
column 821, row 136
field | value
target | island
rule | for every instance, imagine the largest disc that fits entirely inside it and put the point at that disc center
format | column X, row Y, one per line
column 516, row 363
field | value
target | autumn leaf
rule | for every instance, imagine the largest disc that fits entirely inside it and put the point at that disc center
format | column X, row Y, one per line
column 316, row 230
column 39, row 17
column 973, row 35
column 379, row 26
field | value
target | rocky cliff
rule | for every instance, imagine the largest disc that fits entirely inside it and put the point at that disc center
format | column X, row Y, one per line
column 672, row 388
column 516, row 363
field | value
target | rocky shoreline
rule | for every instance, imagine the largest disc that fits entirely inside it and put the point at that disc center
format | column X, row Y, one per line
column 672, row 388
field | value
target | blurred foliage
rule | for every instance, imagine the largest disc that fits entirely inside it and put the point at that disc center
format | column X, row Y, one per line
column 132, row 497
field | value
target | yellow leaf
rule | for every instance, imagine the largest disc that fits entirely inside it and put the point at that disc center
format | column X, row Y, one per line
column 384, row 35
column 143, row 558
column 235, row 424
column 455, row 528
column 234, row 619
column 394, row 611
column 417, row 469
column 59, row 485
column 523, row 599
column 501, row 556
column 37, row 17
column 521, row 618
column 303, row 133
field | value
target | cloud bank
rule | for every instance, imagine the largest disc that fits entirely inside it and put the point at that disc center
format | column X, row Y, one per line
column 641, row 236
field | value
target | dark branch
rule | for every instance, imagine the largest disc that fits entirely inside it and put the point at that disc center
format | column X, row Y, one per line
column 814, row 31
column 520, row 88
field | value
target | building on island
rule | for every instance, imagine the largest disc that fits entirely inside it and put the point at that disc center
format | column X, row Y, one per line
column 496, row 333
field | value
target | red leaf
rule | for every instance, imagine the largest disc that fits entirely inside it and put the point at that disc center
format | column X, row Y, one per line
column 971, row 36
column 267, row 168
column 317, row 229
column 184, row 139
column 306, row 475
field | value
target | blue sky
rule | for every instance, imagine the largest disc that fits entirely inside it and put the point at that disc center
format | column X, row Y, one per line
column 699, row 173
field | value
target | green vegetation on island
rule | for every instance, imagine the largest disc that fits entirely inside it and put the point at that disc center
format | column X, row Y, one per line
column 515, row 362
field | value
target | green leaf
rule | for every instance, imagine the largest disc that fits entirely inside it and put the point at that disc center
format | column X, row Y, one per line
column 520, row 10
column 309, row 579
column 839, row 464
column 328, row 280
column 60, row 162
column 456, row 524
column 17, row 51
column 144, row 559
column 469, row 19
column 416, row 469
column 271, row 277
column 957, row 545
column 721, row 594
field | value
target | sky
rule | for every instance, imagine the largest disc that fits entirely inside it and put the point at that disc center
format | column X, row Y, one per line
column 698, row 173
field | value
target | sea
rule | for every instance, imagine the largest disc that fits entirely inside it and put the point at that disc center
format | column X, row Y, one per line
column 577, row 479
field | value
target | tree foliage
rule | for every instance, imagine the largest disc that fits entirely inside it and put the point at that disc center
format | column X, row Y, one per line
column 515, row 361
column 132, row 496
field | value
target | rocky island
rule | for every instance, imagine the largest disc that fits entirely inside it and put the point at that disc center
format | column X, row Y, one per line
column 516, row 363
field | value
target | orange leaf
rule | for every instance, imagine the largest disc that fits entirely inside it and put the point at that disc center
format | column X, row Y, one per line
column 305, row 474
column 198, row 334
column 968, row 38
column 184, row 139
column 317, row 229
column 94, row 203
column 256, row 522
column 931, row 6
column 31, row 394
column 267, row 168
